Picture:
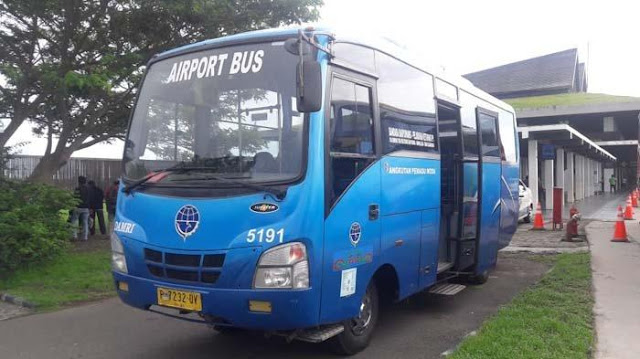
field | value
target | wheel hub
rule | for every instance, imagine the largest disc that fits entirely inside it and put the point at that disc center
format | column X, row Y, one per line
column 360, row 323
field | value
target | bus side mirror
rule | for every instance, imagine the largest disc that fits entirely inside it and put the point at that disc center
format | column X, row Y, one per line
column 308, row 86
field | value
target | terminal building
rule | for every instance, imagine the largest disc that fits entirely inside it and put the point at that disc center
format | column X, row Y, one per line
column 569, row 138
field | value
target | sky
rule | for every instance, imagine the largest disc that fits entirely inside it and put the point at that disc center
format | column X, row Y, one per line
column 467, row 36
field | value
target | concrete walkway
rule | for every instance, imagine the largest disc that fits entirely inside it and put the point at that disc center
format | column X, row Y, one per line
column 602, row 207
column 617, row 290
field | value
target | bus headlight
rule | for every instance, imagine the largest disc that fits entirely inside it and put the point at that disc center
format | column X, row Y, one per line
column 118, row 261
column 283, row 267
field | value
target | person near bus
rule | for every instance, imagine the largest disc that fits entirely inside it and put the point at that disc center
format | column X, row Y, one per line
column 96, row 200
column 111, row 197
column 81, row 212
column 612, row 183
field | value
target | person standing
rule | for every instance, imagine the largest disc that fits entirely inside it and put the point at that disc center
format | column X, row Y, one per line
column 112, row 198
column 612, row 183
column 96, row 201
column 81, row 212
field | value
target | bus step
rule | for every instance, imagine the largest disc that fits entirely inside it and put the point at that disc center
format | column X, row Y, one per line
column 447, row 289
column 320, row 334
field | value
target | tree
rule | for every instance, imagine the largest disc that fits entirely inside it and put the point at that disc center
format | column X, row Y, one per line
column 72, row 66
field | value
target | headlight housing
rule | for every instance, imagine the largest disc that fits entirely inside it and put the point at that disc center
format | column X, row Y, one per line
column 283, row 267
column 118, row 261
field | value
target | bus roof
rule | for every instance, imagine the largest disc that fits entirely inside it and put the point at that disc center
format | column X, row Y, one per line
column 377, row 43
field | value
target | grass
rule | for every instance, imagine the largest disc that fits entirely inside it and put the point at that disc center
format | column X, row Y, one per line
column 80, row 275
column 566, row 100
column 553, row 319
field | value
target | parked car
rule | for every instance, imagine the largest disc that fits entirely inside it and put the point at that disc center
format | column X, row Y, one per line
column 526, row 203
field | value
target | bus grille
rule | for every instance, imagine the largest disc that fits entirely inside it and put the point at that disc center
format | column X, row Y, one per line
column 193, row 268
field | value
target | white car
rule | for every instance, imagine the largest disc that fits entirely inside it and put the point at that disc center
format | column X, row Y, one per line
column 526, row 203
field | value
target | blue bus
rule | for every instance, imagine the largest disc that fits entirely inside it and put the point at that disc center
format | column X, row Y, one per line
column 293, row 180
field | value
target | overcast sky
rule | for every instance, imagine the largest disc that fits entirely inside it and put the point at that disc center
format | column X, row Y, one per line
column 466, row 36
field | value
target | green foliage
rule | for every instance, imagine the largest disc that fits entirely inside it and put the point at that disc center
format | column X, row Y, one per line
column 554, row 319
column 75, row 276
column 73, row 66
column 31, row 229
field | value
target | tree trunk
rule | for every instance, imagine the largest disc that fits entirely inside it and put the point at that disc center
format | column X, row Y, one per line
column 49, row 164
column 10, row 130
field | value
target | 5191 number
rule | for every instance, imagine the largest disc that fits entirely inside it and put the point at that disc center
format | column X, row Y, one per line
column 268, row 235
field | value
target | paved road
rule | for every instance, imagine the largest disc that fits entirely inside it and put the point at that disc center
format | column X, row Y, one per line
column 422, row 327
column 617, row 290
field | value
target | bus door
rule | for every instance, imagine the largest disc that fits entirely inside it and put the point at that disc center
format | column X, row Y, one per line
column 352, row 194
column 490, row 190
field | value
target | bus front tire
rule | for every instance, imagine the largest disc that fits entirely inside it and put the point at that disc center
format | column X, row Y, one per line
column 359, row 330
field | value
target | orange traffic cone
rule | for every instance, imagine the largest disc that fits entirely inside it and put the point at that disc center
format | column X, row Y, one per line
column 628, row 210
column 634, row 198
column 620, row 230
column 538, row 221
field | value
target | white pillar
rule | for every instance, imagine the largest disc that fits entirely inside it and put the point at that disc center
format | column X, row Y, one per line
column 560, row 171
column 548, row 184
column 532, row 146
column 579, row 177
column 585, row 175
column 568, row 181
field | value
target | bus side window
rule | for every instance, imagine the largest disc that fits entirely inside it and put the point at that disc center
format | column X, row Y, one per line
column 489, row 135
column 350, row 134
column 407, row 109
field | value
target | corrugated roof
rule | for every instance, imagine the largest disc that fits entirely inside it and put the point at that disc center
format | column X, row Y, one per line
column 553, row 71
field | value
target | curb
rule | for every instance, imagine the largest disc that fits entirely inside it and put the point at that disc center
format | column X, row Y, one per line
column 16, row 301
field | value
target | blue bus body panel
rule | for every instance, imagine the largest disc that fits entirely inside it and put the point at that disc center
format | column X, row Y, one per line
column 510, row 203
column 340, row 253
column 406, row 232
column 410, row 209
column 489, row 229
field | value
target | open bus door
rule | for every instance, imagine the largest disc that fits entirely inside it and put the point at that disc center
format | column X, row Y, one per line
column 490, row 176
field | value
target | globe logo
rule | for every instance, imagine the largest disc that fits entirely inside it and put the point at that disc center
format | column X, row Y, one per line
column 187, row 221
column 355, row 232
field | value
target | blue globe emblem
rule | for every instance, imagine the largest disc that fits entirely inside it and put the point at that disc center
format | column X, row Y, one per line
column 355, row 232
column 187, row 221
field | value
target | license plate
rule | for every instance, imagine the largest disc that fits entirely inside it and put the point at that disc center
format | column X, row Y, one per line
column 179, row 299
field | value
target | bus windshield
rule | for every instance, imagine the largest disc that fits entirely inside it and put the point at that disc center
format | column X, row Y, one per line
column 230, row 112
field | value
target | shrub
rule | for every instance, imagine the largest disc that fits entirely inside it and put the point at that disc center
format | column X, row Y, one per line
column 31, row 228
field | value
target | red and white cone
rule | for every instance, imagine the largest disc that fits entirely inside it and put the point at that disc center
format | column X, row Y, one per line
column 538, row 221
column 620, row 229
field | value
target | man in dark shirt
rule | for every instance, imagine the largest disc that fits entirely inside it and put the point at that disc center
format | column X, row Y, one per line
column 112, row 199
column 96, row 199
column 81, row 212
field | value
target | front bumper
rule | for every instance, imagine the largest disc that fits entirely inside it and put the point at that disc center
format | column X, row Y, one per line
column 290, row 309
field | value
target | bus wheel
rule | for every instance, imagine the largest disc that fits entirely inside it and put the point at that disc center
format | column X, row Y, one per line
column 359, row 330
column 481, row 278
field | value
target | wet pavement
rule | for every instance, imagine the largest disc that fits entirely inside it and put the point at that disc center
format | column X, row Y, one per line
column 600, row 207
column 424, row 326
column 616, row 290
column 8, row 310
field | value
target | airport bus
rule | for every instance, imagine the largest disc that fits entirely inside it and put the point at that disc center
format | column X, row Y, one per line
column 293, row 180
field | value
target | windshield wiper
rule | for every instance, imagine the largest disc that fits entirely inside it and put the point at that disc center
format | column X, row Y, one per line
column 180, row 167
column 278, row 193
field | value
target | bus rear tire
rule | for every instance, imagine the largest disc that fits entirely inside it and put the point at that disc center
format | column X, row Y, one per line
column 359, row 330
column 478, row 279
